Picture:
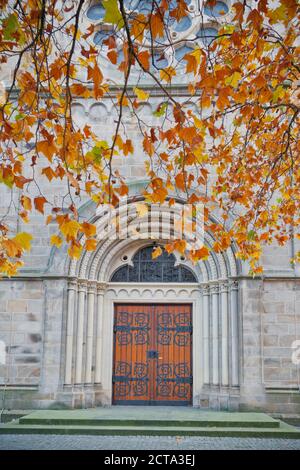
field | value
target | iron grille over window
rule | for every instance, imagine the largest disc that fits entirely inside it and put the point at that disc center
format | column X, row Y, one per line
column 146, row 269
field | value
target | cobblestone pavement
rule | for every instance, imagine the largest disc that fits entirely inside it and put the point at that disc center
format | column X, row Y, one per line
column 51, row 442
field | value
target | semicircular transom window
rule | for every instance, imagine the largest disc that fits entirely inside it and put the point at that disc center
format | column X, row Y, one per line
column 146, row 269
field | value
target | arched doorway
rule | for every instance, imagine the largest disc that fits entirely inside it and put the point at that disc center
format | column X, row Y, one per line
column 152, row 361
column 120, row 272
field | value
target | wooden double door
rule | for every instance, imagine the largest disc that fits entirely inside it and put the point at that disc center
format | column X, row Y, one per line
column 152, row 354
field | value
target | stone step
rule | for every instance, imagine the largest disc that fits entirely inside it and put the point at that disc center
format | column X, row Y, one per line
column 155, row 418
column 283, row 431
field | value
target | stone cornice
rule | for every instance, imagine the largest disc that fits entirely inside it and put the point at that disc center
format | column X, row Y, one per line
column 46, row 277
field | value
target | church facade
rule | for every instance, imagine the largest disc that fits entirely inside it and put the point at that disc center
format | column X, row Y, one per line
column 117, row 327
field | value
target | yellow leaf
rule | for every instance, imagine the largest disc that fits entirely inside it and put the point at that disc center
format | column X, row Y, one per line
column 75, row 250
column 70, row 228
column 122, row 100
column 24, row 240
column 56, row 240
column 233, row 80
column 156, row 252
column 198, row 122
column 167, row 74
column 278, row 93
column 142, row 209
column 141, row 94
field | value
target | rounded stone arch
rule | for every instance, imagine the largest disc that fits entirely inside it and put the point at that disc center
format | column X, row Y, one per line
column 94, row 266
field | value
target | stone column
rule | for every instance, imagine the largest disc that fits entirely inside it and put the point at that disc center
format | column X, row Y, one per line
column 99, row 329
column 205, row 300
column 234, row 334
column 80, row 327
column 215, row 333
column 90, row 331
column 72, row 297
column 224, row 326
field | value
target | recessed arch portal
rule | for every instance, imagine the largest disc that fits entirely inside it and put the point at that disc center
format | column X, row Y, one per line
column 102, row 279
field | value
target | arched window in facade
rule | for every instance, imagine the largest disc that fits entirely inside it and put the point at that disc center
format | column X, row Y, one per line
column 198, row 28
column 146, row 269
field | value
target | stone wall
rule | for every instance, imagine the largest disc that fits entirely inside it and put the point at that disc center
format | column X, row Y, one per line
column 31, row 326
column 270, row 323
column 22, row 306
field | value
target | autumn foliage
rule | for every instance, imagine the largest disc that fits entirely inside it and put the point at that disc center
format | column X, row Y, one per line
column 238, row 154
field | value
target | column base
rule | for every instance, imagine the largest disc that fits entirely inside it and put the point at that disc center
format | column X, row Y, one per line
column 219, row 398
column 81, row 396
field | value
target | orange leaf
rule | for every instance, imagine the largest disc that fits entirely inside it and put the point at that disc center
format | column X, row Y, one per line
column 12, row 248
column 255, row 18
column 47, row 148
column 201, row 254
column 180, row 245
column 239, row 8
column 148, row 145
column 180, row 181
column 26, row 203
column 88, row 229
column 95, row 74
column 80, row 90
column 113, row 56
column 157, row 25
column 223, row 99
column 143, row 58
column 49, row 173
column 91, row 244
column 188, row 134
column 39, row 203
column 127, row 147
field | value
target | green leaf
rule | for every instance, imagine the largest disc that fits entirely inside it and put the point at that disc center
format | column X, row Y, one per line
column 251, row 235
column 10, row 26
column 113, row 14
column 160, row 110
column 20, row 116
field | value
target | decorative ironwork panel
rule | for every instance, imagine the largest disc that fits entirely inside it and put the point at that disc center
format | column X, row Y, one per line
column 146, row 269
column 152, row 356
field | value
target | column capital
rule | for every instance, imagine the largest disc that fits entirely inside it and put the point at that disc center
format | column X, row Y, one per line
column 82, row 285
column 214, row 289
column 101, row 286
column 205, row 290
column 233, row 285
column 224, row 286
column 92, row 287
column 72, row 284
